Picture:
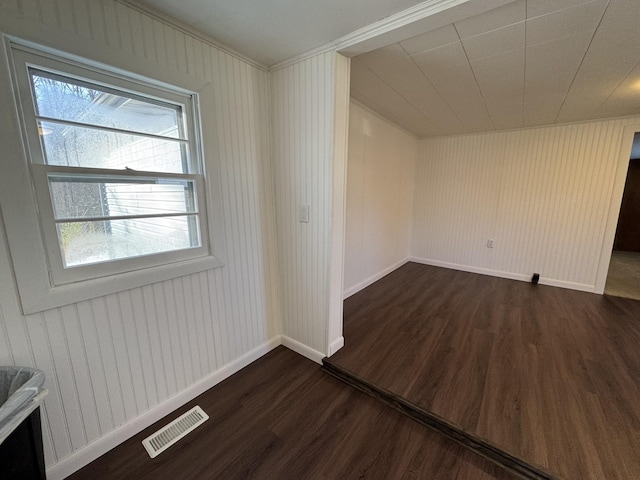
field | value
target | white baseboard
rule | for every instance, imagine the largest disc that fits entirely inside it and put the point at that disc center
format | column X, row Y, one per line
column 302, row 349
column 336, row 345
column 523, row 277
column 373, row 278
column 101, row 446
column 583, row 287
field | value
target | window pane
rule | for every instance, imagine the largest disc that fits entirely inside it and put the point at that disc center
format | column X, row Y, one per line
column 64, row 98
column 87, row 147
column 84, row 243
column 79, row 197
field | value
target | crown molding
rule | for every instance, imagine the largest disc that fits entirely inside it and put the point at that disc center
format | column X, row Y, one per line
column 390, row 23
column 421, row 18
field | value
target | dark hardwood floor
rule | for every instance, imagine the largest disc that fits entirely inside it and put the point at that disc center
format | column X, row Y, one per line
column 547, row 374
column 283, row 418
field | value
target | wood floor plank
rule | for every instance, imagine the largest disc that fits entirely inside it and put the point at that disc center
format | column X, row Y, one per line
column 283, row 418
column 550, row 375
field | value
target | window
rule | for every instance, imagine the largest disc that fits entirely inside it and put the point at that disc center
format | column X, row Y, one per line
column 115, row 168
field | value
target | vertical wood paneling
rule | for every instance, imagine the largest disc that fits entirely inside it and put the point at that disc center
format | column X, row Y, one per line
column 148, row 357
column 96, row 368
column 55, row 419
column 66, row 16
column 12, row 6
column 6, row 355
column 56, row 338
column 541, row 194
column 380, row 177
column 96, row 21
column 81, row 17
column 30, row 8
column 302, row 103
column 110, row 359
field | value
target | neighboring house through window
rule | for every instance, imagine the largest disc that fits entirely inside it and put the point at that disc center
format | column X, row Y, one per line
column 116, row 169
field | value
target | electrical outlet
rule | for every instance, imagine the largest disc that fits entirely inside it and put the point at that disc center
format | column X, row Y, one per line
column 489, row 243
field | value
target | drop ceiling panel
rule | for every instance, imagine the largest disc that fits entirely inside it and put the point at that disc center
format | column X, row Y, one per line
column 373, row 92
column 414, row 87
column 501, row 81
column 450, row 74
column 625, row 99
column 403, row 76
column 570, row 21
column 612, row 55
column 497, row 18
column 542, row 7
column 431, row 104
column 501, row 76
column 411, row 118
column 441, row 59
column 430, row 40
column 550, row 69
column 527, row 63
column 366, row 82
column 463, row 97
column 384, row 56
column 495, row 42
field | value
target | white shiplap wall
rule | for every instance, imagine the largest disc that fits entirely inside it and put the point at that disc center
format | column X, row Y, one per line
column 380, row 178
column 303, row 109
column 543, row 195
column 111, row 360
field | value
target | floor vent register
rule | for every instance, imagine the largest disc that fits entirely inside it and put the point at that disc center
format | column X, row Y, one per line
column 174, row 431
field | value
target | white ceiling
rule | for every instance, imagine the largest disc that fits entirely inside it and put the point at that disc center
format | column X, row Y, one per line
column 526, row 63
column 530, row 62
column 270, row 31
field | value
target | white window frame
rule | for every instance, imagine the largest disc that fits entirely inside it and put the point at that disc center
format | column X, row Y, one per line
column 42, row 280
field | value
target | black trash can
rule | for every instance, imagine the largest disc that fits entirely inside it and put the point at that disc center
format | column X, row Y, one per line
column 21, row 394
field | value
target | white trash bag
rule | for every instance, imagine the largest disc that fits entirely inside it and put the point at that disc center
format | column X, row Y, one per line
column 21, row 392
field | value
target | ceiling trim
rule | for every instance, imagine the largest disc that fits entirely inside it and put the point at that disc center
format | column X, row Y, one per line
column 396, row 23
column 393, row 22
column 633, row 117
column 400, row 19
column 192, row 32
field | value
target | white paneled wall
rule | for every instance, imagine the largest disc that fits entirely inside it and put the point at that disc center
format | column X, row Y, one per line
column 110, row 360
column 543, row 195
column 303, row 109
column 380, row 177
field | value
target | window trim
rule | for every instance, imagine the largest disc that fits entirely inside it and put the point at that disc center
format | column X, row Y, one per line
column 20, row 207
column 61, row 275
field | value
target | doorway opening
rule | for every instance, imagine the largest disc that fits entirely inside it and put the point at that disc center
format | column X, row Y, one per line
column 623, row 278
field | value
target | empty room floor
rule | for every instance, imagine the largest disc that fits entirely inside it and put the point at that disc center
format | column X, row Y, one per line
column 283, row 418
column 623, row 279
column 547, row 374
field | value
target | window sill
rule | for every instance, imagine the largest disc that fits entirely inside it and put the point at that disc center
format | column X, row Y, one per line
column 58, row 296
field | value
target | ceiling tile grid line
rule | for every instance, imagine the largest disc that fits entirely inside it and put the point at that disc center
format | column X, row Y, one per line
column 475, row 78
column 582, row 61
column 613, row 53
column 433, row 86
column 633, row 78
column 399, row 94
column 496, row 28
column 457, row 89
column 620, row 84
column 524, row 64
column 489, row 65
